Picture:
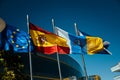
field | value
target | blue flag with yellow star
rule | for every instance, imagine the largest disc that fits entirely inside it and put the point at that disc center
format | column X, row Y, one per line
column 15, row 40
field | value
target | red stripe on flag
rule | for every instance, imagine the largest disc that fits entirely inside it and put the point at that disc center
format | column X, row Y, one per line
column 34, row 27
column 63, row 50
column 53, row 49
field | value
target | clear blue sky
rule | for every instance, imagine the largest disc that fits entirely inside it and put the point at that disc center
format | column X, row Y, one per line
column 96, row 17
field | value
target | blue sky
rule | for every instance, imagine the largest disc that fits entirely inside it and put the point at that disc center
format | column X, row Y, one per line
column 96, row 17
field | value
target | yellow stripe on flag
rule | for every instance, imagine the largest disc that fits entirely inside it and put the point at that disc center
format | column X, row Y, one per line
column 47, row 40
column 94, row 44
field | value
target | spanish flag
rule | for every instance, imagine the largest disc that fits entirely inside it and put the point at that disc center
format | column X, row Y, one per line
column 47, row 42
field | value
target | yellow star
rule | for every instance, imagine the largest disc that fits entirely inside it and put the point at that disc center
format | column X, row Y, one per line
column 17, row 29
column 13, row 42
column 29, row 41
column 14, row 32
column 17, row 46
column 12, row 36
column 23, row 47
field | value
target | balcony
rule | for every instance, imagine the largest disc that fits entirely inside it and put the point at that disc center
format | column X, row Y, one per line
column 117, row 78
column 116, row 68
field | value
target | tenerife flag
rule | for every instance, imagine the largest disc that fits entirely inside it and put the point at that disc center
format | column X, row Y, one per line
column 81, row 44
column 47, row 42
column 15, row 40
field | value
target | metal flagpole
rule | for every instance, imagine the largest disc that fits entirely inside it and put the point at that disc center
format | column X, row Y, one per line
column 30, row 59
column 108, row 51
column 58, row 60
column 83, row 60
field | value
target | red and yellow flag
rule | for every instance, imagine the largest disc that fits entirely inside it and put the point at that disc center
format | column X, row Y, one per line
column 47, row 42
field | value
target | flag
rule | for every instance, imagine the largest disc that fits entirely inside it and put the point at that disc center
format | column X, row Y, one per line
column 47, row 42
column 4, row 45
column 15, row 40
column 105, row 43
column 93, row 44
column 81, row 44
column 72, row 40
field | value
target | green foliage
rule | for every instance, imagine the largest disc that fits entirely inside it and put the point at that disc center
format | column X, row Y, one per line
column 11, row 67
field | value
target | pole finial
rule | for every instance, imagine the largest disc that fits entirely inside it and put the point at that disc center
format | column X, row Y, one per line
column 2, row 24
column 75, row 24
column 52, row 20
column 27, row 16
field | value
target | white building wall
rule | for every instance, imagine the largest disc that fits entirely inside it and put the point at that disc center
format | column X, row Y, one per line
column 117, row 78
column 116, row 69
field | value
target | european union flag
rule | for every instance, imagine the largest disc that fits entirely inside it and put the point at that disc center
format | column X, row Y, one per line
column 15, row 40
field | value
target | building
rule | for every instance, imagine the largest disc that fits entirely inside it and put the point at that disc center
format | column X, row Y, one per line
column 116, row 69
column 45, row 67
column 92, row 77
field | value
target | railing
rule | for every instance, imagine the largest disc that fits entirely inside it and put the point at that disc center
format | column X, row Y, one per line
column 116, row 68
column 117, row 78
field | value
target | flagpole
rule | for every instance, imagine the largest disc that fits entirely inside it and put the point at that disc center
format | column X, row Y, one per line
column 58, row 60
column 30, row 59
column 83, row 60
column 108, row 51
